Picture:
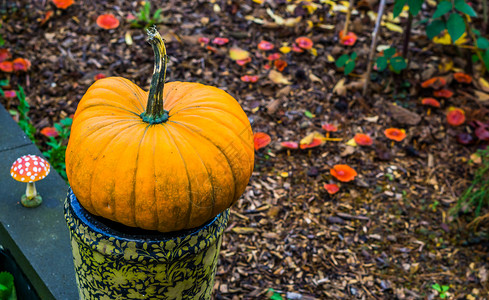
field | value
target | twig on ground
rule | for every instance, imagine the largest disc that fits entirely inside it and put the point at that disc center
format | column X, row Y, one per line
column 375, row 36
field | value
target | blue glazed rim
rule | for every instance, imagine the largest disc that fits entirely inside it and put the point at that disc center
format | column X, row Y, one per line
column 80, row 220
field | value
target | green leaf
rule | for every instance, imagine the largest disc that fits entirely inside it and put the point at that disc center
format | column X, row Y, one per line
column 482, row 43
column 398, row 63
column 6, row 285
column 381, row 63
column 156, row 15
column 66, row 121
column 436, row 287
column 477, row 32
column 388, row 53
column 485, row 58
column 350, row 65
column 441, row 9
column 4, row 82
column 353, row 55
column 415, row 6
column 475, row 58
column 398, row 6
column 445, row 288
column 455, row 26
column 309, row 114
column 463, row 7
column 341, row 61
column 434, row 28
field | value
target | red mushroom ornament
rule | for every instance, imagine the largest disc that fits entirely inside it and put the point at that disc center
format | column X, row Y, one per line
column 30, row 168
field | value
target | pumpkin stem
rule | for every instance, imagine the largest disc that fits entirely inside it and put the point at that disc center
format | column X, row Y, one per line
column 155, row 113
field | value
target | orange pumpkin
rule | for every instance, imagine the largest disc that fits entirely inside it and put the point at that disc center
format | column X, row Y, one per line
column 172, row 166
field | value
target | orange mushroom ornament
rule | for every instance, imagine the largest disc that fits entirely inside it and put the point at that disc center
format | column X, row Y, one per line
column 343, row 173
column 30, row 168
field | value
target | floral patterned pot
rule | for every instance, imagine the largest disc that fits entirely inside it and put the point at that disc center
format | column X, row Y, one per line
column 113, row 261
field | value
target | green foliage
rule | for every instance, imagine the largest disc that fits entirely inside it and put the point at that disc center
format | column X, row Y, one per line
column 414, row 6
column 346, row 61
column 478, row 192
column 455, row 26
column 144, row 18
column 23, row 113
column 274, row 295
column 57, row 146
column 397, row 63
column 454, row 17
column 455, row 23
column 482, row 44
column 441, row 289
column 6, row 286
column 2, row 41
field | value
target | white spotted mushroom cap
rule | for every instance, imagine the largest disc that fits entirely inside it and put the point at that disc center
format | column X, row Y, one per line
column 29, row 168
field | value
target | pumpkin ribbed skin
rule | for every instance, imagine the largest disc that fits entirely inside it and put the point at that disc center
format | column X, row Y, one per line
column 169, row 176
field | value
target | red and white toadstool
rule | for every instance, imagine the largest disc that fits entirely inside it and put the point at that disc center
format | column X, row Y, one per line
column 30, row 168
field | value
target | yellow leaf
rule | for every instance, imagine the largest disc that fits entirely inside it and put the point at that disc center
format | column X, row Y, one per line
column 314, row 51
column 445, row 39
column 259, row 1
column 484, row 84
column 284, row 174
column 285, row 49
column 330, row 58
column 393, row 27
column 310, row 24
column 310, row 137
column 278, row 77
column 351, row 143
column 445, row 65
column 238, row 53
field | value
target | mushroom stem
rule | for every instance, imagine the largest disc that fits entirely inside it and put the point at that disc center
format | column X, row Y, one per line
column 30, row 191
column 155, row 112
column 31, row 197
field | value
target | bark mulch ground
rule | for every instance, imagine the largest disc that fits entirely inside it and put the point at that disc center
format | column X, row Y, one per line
column 385, row 235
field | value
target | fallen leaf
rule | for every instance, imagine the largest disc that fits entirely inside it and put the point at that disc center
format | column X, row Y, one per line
column 393, row 27
column 308, row 139
column 314, row 78
column 238, row 54
column 244, row 230
column 261, row 140
column 278, row 77
column 484, row 85
column 339, row 88
column 128, row 38
column 481, row 96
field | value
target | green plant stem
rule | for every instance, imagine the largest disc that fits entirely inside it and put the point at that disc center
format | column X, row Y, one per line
column 474, row 39
column 155, row 112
